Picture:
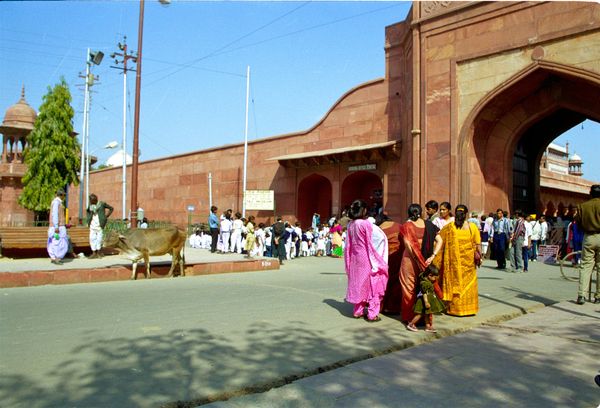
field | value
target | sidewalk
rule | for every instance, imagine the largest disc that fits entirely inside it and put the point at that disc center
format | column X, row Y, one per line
column 543, row 359
column 18, row 272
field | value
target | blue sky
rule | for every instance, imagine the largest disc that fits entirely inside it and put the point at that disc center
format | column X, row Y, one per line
column 303, row 56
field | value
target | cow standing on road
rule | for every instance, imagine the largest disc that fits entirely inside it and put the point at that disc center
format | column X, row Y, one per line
column 138, row 244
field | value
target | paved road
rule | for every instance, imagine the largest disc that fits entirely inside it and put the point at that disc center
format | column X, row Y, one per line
column 547, row 358
column 147, row 343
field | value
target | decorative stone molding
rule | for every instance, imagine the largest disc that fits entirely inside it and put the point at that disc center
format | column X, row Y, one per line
column 434, row 7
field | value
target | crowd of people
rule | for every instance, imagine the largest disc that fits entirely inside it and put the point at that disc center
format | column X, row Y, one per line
column 425, row 265
column 233, row 233
column 422, row 266
column 429, row 264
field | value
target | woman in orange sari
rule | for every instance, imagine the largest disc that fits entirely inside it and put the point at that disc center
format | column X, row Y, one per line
column 420, row 243
column 459, row 279
column 393, row 292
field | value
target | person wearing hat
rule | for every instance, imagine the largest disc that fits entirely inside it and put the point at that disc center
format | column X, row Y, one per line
column 96, row 220
column 588, row 218
column 58, row 242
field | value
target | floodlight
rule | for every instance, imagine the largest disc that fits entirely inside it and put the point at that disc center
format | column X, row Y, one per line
column 96, row 57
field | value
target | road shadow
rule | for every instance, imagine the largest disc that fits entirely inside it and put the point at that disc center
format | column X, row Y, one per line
column 193, row 366
column 344, row 308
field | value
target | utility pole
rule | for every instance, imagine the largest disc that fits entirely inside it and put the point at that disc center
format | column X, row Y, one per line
column 91, row 58
column 84, row 127
column 246, row 144
column 126, row 57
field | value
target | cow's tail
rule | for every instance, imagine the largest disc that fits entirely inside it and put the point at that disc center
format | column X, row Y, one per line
column 183, row 258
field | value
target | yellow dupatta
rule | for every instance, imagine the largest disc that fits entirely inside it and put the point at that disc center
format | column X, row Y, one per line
column 456, row 261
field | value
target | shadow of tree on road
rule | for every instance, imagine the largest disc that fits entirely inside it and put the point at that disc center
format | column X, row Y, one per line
column 194, row 365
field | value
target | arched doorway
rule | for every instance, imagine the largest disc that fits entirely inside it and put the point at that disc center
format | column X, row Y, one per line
column 362, row 185
column 314, row 195
column 512, row 127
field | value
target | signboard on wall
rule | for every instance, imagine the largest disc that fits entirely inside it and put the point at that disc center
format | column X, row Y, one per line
column 363, row 167
column 260, row 200
column 548, row 253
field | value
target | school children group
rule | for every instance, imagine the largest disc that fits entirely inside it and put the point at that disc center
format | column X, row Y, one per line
column 236, row 234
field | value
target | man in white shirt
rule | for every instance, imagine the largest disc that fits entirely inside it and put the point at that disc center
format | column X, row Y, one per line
column 298, row 232
column 544, row 230
column 527, row 243
column 536, row 234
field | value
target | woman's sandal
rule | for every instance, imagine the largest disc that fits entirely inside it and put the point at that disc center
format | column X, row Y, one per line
column 430, row 330
column 411, row 327
column 376, row 319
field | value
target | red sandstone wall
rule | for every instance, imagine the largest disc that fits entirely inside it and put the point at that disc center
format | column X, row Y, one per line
column 167, row 186
column 413, row 105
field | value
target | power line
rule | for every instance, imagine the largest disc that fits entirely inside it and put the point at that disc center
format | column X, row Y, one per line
column 215, row 52
column 309, row 28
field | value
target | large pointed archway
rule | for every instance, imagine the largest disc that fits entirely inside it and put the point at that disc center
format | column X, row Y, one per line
column 506, row 134
column 314, row 196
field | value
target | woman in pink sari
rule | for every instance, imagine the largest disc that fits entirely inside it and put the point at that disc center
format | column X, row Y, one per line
column 365, row 258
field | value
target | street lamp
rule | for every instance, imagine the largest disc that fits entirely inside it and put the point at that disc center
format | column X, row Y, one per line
column 111, row 145
column 136, row 117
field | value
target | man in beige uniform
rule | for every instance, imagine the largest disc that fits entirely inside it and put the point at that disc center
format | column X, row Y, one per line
column 588, row 217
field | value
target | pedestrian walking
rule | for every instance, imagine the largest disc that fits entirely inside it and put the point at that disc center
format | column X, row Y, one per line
column 279, row 236
column 213, row 225
column 365, row 266
column 97, row 217
column 588, row 217
column 421, row 242
column 250, row 237
column 58, row 241
column 499, row 234
column 456, row 262
column 427, row 302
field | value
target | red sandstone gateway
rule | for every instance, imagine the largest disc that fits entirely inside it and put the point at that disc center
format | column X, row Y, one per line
column 473, row 94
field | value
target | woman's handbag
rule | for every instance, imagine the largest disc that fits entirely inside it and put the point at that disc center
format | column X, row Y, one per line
column 477, row 255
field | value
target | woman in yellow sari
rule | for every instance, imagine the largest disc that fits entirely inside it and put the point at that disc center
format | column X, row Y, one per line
column 457, row 265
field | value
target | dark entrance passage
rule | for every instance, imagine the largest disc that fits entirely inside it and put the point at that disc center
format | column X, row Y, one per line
column 362, row 185
column 528, row 154
column 314, row 196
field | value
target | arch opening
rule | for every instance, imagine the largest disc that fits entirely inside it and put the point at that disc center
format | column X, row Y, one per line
column 314, row 196
column 512, row 130
column 362, row 185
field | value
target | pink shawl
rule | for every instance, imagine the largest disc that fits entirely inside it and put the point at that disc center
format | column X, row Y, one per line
column 367, row 270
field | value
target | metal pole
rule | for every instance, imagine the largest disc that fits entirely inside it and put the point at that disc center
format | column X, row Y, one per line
column 83, row 149
column 246, row 144
column 87, row 150
column 136, row 121
column 210, row 190
column 124, row 145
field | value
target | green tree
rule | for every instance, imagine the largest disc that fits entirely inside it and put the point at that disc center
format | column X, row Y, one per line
column 52, row 152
